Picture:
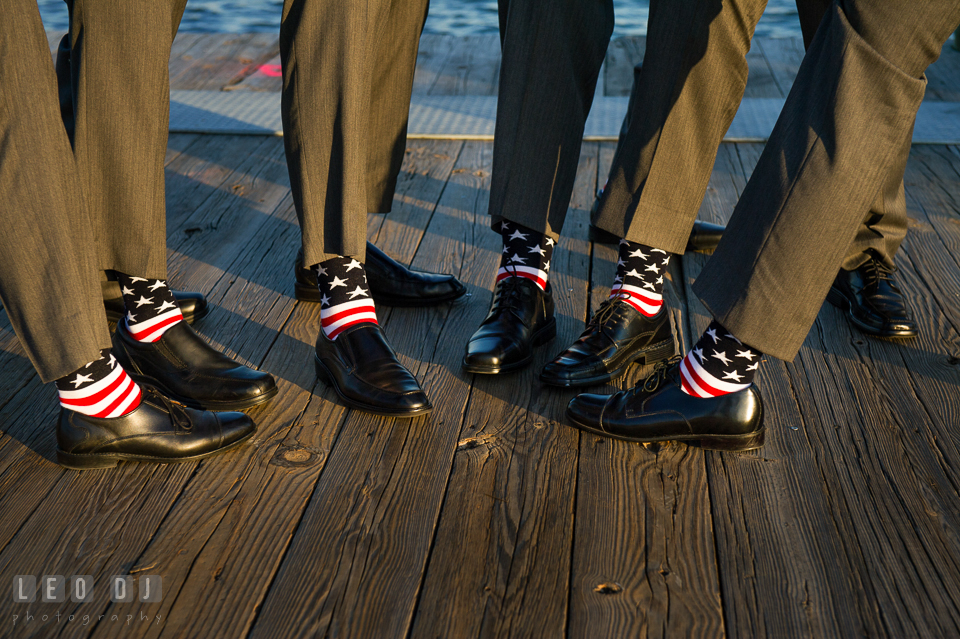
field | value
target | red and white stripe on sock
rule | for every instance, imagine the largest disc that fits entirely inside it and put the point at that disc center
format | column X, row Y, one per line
column 100, row 389
column 526, row 253
column 718, row 364
column 151, row 308
column 345, row 296
column 639, row 279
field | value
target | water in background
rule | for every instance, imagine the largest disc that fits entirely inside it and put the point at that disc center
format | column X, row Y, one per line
column 452, row 17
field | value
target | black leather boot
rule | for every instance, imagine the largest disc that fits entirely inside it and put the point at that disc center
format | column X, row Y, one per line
column 364, row 371
column 391, row 283
column 615, row 337
column 184, row 367
column 520, row 318
column 657, row 409
column 872, row 300
column 158, row 430
column 192, row 305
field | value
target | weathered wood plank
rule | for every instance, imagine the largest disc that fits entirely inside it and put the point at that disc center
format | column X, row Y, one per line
column 472, row 68
column 370, row 522
column 761, row 81
column 942, row 76
column 264, row 77
column 431, row 56
column 784, row 56
column 623, row 54
column 504, row 539
column 636, row 570
column 195, row 60
column 776, row 579
column 261, row 49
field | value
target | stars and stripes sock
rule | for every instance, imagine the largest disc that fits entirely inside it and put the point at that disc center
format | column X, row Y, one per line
column 151, row 308
column 718, row 364
column 100, row 389
column 345, row 296
column 526, row 253
column 639, row 279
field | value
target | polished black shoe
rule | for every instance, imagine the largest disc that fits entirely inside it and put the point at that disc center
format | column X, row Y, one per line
column 615, row 337
column 193, row 306
column 391, row 283
column 520, row 318
column 704, row 236
column 158, row 430
column 184, row 367
column 364, row 371
column 872, row 300
column 657, row 409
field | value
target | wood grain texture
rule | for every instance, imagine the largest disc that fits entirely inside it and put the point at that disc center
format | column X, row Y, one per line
column 637, row 570
column 471, row 68
column 373, row 511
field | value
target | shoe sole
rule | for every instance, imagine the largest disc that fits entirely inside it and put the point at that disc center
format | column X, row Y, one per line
column 839, row 300
column 324, row 376
column 113, row 318
column 206, row 405
column 539, row 338
column 650, row 355
column 311, row 294
column 728, row 443
column 92, row 462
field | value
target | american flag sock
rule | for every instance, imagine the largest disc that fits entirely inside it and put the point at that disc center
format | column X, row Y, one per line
column 151, row 307
column 100, row 389
column 345, row 296
column 639, row 279
column 718, row 364
column 526, row 253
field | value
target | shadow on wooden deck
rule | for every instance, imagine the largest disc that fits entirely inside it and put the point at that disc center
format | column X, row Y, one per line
column 491, row 517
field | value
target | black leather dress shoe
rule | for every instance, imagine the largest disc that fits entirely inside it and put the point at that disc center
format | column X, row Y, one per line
column 158, row 430
column 391, row 283
column 704, row 236
column 184, row 367
column 364, row 371
column 615, row 337
column 657, row 409
column 520, row 318
column 192, row 305
column 872, row 300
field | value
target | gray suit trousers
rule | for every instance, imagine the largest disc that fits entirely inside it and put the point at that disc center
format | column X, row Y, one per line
column 48, row 279
column 681, row 105
column 120, row 53
column 838, row 139
column 347, row 78
column 552, row 52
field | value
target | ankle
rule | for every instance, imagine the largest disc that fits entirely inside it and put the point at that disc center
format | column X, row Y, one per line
column 526, row 253
column 151, row 308
column 718, row 364
column 639, row 278
column 345, row 299
column 101, row 389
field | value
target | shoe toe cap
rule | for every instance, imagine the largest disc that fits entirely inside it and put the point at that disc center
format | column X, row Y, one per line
column 234, row 426
column 586, row 409
column 414, row 402
column 486, row 352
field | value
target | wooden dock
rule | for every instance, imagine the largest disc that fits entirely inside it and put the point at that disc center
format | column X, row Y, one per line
column 491, row 517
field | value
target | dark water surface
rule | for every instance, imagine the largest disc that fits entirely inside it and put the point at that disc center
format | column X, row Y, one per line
column 453, row 17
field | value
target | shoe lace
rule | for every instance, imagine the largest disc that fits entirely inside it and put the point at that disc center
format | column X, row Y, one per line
column 177, row 411
column 607, row 309
column 509, row 291
column 658, row 376
column 874, row 271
